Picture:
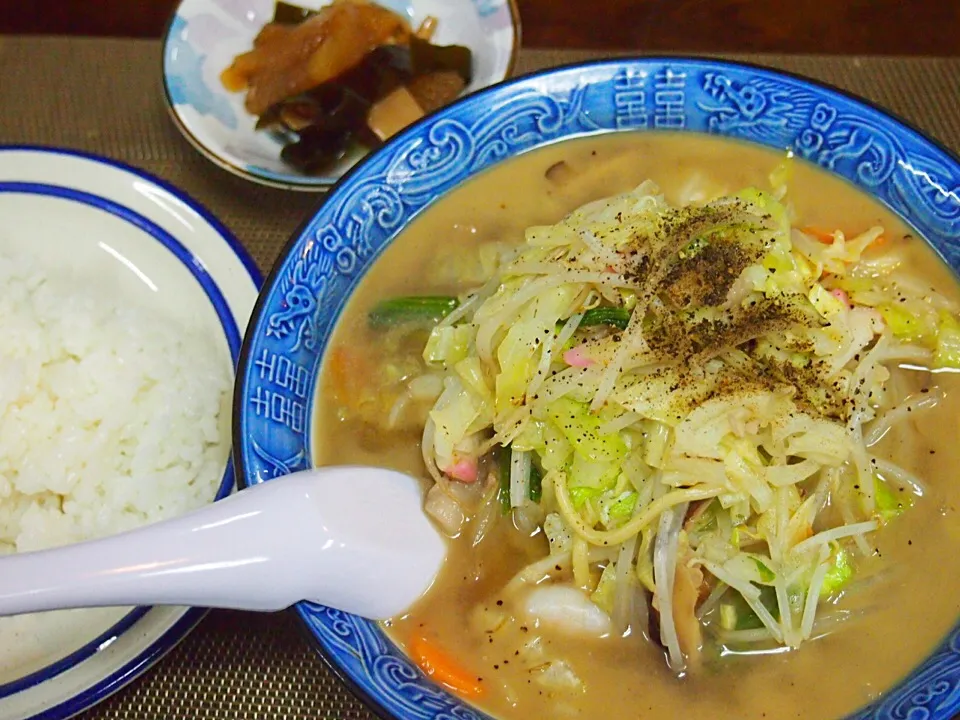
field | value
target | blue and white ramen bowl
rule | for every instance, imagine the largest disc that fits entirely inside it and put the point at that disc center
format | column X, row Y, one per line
column 326, row 259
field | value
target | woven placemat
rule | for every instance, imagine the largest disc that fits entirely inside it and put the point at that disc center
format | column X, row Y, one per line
column 104, row 96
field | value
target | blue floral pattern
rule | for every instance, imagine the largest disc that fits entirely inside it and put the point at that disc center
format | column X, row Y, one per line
column 185, row 81
column 362, row 215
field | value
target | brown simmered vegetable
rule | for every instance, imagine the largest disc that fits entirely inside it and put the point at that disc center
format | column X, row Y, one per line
column 351, row 74
column 344, row 102
column 346, row 77
column 393, row 113
column 287, row 60
column 332, row 118
column 436, row 89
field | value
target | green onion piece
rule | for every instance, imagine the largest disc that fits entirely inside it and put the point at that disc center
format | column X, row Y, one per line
column 536, row 483
column 615, row 316
column 503, row 470
column 427, row 310
column 693, row 248
column 743, row 614
column 838, row 575
column 889, row 504
column 766, row 574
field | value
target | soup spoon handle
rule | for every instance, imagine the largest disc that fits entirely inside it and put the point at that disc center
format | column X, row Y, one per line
column 351, row 538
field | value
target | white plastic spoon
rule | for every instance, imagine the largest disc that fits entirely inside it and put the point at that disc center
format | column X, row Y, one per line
column 352, row 538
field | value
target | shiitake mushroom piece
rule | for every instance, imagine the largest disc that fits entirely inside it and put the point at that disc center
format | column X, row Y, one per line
column 289, row 14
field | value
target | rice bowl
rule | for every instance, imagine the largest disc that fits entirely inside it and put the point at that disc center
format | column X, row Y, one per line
column 71, row 466
column 123, row 305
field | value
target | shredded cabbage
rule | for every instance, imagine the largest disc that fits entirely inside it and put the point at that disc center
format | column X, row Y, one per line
column 755, row 352
column 947, row 353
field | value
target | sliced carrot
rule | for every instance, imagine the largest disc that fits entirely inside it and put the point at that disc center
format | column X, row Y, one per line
column 339, row 372
column 822, row 235
column 827, row 237
column 442, row 668
column 348, row 371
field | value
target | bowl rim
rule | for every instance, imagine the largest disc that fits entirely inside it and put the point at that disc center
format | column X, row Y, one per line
column 290, row 183
column 368, row 699
column 129, row 671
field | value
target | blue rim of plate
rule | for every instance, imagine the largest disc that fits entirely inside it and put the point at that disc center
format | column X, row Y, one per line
column 927, row 683
column 191, row 617
column 269, row 178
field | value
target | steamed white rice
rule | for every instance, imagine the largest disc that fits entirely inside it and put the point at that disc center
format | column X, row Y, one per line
column 111, row 416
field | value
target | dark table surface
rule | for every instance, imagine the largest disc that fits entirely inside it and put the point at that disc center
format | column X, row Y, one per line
column 841, row 27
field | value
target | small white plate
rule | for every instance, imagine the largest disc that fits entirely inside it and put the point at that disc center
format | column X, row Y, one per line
column 147, row 242
column 204, row 36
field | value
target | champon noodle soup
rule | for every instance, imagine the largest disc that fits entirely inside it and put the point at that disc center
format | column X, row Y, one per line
column 687, row 410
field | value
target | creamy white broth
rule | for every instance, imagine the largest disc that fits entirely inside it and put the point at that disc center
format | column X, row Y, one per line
column 627, row 678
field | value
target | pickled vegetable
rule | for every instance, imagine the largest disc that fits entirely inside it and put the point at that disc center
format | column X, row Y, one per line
column 343, row 78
